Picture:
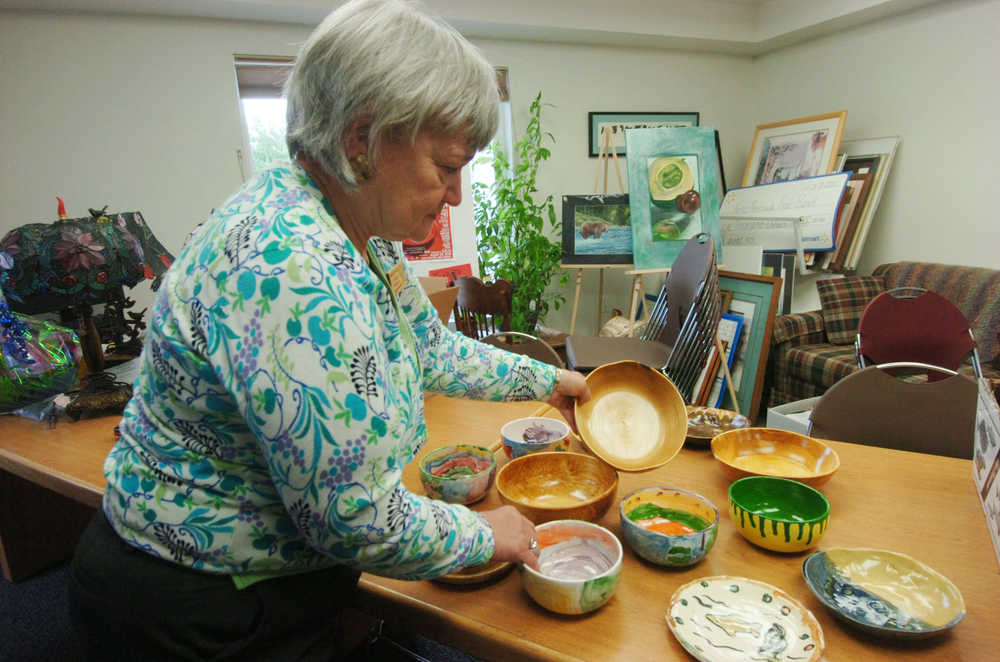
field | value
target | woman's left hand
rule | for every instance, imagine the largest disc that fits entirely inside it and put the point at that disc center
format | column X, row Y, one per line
column 571, row 387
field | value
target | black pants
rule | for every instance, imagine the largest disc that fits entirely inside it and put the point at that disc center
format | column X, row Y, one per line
column 129, row 605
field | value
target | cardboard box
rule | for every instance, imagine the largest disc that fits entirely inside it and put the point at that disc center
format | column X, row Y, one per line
column 442, row 296
column 793, row 416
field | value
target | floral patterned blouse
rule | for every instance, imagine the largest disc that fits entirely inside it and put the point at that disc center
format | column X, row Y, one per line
column 280, row 395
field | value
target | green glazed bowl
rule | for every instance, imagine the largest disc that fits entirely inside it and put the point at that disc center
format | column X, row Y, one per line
column 778, row 514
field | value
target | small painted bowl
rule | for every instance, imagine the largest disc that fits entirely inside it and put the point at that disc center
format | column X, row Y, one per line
column 683, row 532
column 458, row 474
column 534, row 434
column 778, row 514
column 704, row 423
column 580, row 567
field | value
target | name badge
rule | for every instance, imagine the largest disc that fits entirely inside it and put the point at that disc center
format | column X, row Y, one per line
column 397, row 278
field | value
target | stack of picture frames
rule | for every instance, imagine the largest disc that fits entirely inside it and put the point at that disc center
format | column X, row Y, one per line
column 750, row 302
column 812, row 146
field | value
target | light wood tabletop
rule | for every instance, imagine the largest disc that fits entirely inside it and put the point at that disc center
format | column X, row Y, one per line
column 921, row 505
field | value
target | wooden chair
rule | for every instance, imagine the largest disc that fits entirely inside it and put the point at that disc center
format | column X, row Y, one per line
column 528, row 345
column 482, row 308
column 915, row 325
column 875, row 408
column 682, row 325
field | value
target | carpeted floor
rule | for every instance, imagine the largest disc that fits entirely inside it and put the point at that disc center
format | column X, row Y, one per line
column 35, row 626
column 34, row 619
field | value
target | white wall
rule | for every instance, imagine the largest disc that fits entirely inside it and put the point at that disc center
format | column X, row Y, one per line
column 131, row 112
column 142, row 113
column 578, row 79
column 931, row 77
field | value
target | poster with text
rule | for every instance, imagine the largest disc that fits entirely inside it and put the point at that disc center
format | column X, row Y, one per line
column 437, row 244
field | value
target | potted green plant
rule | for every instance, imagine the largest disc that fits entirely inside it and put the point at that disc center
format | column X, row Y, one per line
column 511, row 235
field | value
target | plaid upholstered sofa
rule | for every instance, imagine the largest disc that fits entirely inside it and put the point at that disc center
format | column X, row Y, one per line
column 810, row 351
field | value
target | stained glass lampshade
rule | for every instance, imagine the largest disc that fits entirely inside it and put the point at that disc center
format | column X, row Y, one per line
column 75, row 263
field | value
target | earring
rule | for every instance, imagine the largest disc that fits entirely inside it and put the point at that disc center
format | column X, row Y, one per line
column 361, row 167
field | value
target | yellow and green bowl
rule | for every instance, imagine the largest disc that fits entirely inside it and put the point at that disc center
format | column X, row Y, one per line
column 778, row 514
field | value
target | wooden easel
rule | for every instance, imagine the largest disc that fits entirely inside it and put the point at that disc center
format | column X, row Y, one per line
column 606, row 154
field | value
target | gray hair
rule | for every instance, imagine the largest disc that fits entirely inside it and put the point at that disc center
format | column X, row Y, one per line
column 389, row 61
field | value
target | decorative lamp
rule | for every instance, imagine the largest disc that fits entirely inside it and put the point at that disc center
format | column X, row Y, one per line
column 70, row 266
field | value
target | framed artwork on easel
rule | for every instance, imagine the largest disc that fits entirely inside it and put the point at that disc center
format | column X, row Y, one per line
column 596, row 229
column 616, row 124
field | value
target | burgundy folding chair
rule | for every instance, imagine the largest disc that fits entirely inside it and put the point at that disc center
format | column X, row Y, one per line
column 914, row 324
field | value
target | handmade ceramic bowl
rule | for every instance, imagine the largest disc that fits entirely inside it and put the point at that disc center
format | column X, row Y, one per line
column 669, row 526
column 635, row 419
column 551, row 486
column 884, row 593
column 458, row 474
column 580, row 567
column 772, row 452
column 704, row 423
column 732, row 619
column 778, row 514
column 534, row 434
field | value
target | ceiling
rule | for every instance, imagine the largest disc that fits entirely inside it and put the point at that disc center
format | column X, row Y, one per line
column 739, row 27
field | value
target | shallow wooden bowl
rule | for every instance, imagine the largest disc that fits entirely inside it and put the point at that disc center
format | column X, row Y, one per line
column 635, row 419
column 778, row 453
column 557, row 485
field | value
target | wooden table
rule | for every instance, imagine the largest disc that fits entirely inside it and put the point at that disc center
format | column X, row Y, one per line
column 921, row 505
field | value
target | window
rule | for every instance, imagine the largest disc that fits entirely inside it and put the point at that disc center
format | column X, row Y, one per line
column 260, row 81
column 481, row 170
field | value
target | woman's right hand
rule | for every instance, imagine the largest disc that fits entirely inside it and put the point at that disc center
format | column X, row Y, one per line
column 513, row 536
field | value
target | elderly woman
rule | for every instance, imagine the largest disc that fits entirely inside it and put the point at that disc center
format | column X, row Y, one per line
column 282, row 380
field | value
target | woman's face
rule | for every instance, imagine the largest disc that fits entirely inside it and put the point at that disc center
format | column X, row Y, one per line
column 413, row 182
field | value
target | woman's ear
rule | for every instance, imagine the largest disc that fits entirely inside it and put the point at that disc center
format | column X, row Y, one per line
column 356, row 138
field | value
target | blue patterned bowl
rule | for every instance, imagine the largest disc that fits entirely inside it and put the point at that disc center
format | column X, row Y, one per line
column 458, row 474
column 688, row 524
column 533, row 435
column 884, row 593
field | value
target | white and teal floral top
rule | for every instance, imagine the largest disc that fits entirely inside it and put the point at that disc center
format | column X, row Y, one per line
column 281, row 394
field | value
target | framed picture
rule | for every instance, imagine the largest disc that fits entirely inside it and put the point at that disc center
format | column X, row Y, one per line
column 755, row 298
column 878, row 153
column 794, row 149
column 616, row 123
column 674, row 191
column 596, row 229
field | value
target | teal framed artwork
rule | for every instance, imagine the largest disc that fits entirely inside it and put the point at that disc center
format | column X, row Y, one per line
column 675, row 189
column 755, row 299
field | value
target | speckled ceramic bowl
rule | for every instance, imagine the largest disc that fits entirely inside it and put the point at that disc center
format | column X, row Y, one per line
column 581, row 565
column 458, row 474
column 551, row 486
column 534, row 434
column 669, row 509
column 778, row 514
column 773, row 452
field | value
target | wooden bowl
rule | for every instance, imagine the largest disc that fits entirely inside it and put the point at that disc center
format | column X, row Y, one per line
column 778, row 453
column 635, row 419
column 558, row 485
